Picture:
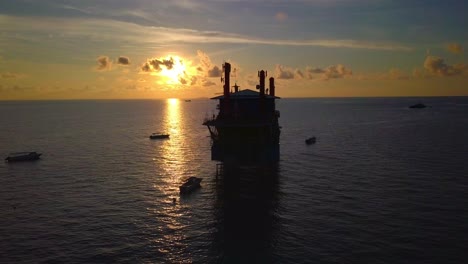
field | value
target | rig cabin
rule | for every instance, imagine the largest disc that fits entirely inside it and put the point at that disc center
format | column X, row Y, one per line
column 246, row 129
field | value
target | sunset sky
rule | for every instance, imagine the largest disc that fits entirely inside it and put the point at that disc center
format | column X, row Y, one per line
column 120, row 49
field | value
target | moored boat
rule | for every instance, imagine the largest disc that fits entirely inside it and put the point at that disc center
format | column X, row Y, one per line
column 158, row 136
column 23, row 156
column 311, row 140
column 418, row 106
column 190, row 184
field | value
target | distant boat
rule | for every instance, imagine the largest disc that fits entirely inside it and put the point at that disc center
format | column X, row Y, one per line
column 418, row 106
column 311, row 140
column 158, row 136
column 191, row 184
column 23, row 156
column 188, row 100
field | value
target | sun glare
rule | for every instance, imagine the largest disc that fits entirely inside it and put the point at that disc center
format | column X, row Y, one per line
column 174, row 73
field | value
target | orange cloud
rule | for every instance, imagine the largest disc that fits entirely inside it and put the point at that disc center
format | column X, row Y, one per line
column 332, row 72
column 455, row 48
column 437, row 66
column 104, row 63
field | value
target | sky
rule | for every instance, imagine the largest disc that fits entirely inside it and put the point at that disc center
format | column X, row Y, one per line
column 155, row 49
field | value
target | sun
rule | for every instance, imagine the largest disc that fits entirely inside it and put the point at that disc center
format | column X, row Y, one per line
column 174, row 71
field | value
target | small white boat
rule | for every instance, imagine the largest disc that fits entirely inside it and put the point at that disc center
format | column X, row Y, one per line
column 23, row 156
column 191, row 184
column 158, row 136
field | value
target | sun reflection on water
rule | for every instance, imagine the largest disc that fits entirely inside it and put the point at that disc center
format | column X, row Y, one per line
column 170, row 169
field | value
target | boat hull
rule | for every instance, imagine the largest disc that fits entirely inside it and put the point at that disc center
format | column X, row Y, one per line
column 190, row 185
column 25, row 157
column 158, row 136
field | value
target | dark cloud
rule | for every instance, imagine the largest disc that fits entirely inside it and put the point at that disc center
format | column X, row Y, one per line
column 123, row 60
column 156, row 64
column 436, row 66
column 208, row 83
column 182, row 80
column 104, row 63
column 215, row 72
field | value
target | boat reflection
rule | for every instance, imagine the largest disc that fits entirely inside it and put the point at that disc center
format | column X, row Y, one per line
column 247, row 224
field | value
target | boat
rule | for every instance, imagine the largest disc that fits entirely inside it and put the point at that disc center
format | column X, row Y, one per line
column 418, row 106
column 188, row 100
column 23, row 156
column 158, row 136
column 246, row 130
column 190, row 184
column 311, row 140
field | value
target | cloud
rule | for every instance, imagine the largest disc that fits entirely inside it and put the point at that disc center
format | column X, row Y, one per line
column 207, row 83
column 455, row 48
column 281, row 17
column 299, row 74
column 104, row 63
column 215, row 72
column 282, row 72
column 436, row 66
column 206, row 66
column 113, row 30
column 123, row 61
column 182, row 80
column 311, row 70
column 155, row 65
column 336, row 72
column 11, row 75
column 331, row 72
column 193, row 80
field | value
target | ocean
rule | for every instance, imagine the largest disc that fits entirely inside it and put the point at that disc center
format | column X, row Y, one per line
column 382, row 184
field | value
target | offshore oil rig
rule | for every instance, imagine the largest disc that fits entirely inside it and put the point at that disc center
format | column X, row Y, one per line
column 246, row 129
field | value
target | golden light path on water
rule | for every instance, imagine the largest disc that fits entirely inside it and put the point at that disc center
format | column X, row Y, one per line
column 170, row 166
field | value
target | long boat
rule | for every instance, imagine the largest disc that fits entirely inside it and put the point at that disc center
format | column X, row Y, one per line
column 158, row 136
column 23, row 156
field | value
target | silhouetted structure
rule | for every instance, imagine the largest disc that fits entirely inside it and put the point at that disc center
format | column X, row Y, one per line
column 246, row 129
column 419, row 105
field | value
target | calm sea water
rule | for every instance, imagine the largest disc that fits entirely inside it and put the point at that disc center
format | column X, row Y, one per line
column 383, row 184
